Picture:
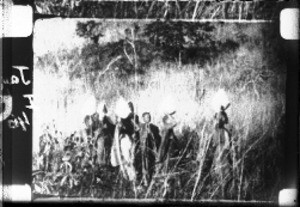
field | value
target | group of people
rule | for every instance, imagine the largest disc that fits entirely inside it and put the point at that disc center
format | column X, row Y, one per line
column 137, row 147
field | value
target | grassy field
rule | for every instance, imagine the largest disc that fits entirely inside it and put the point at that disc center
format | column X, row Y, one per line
column 250, row 78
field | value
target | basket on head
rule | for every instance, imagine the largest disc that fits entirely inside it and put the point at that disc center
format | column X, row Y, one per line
column 122, row 109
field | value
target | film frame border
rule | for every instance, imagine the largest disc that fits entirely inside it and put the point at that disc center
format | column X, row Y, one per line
column 141, row 19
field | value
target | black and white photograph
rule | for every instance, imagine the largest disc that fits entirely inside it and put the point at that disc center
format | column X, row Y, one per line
column 165, row 109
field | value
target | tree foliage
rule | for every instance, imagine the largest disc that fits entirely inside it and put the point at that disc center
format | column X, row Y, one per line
column 185, row 40
column 174, row 41
column 90, row 30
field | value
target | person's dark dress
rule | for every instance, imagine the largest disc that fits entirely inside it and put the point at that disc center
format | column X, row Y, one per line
column 169, row 142
column 108, row 126
column 131, row 127
column 149, row 145
column 105, row 137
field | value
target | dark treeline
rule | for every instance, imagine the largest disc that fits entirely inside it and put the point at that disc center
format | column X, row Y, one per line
column 141, row 43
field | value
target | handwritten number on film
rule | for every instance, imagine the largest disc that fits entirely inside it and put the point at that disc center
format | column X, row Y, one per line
column 6, row 101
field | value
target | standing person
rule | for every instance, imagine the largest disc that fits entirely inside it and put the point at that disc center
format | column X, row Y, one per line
column 221, row 123
column 223, row 153
column 87, row 132
column 149, row 145
column 122, row 151
column 108, row 124
column 131, row 126
column 96, row 125
column 169, row 140
column 88, row 124
column 131, row 123
column 105, row 138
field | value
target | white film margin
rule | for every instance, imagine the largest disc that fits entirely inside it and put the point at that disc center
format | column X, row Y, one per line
column 16, row 193
column 16, row 21
column 289, row 24
column 288, row 197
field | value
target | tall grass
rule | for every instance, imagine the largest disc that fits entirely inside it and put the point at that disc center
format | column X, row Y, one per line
column 253, row 86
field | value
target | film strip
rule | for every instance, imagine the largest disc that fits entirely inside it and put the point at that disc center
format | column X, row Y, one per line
column 17, row 68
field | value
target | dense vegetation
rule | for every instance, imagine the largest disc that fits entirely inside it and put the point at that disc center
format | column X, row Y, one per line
column 251, row 10
column 190, row 62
